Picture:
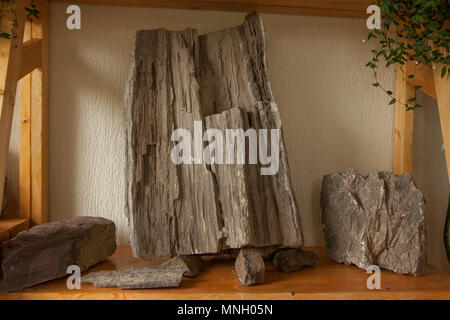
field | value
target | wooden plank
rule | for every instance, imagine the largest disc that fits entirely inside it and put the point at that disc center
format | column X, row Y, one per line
column 333, row 8
column 10, row 59
column 25, row 139
column 443, row 99
column 31, row 56
column 327, row 280
column 39, row 120
column 403, row 126
column 423, row 77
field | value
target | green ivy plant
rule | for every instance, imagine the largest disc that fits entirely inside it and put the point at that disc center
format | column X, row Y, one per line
column 5, row 5
column 411, row 30
column 418, row 31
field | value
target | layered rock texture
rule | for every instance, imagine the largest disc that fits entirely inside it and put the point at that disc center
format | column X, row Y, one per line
column 137, row 278
column 221, row 80
column 44, row 252
column 374, row 220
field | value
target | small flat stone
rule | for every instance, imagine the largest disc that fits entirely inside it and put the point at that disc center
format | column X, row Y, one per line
column 136, row 278
column 192, row 265
column 289, row 260
column 374, row 220
column 250, row 267
column 44, row 252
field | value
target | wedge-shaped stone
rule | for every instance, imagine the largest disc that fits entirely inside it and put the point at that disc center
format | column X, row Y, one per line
column 192, row 265
column 44, row 252
column 250, row 267
column 374, row 220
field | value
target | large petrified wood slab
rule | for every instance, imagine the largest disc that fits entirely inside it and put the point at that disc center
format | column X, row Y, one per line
column 44, row 252
column 221, row 80
column 374, row 220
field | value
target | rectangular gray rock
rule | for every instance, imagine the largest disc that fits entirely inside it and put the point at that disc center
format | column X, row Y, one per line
column 374, row 220
column 44, row 252
column 221, row 80
column 136, row 278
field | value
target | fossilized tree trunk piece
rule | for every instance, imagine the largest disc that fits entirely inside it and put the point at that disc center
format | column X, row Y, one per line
column 219, row 79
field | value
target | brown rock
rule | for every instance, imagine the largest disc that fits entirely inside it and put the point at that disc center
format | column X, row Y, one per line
column 250, row 267
column 192, row 265
column 136, row 278
column 44, row 252
column 290, row 260
column 374, row 220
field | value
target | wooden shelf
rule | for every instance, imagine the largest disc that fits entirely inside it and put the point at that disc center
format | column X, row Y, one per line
column 332, row 8
column 327, row 280
column 11, row 226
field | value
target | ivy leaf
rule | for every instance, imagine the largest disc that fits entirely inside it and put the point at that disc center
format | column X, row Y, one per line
column 392, row 101
column 389, row 92
column 443, row 71
column 417, row 87
column 376, row 84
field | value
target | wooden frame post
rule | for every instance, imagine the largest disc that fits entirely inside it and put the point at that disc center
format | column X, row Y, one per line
column 39, row 119
column 26, row 57
column 403, row 126
column 442, row 86
column 10, row 64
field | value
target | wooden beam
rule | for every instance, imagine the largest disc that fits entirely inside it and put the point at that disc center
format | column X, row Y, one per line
column 31, row 56
column 39, row 120
column 25, row 138
column 403, row 125
column 423, row 77
column 443, row 99
column 10, row 60
column 333, row 8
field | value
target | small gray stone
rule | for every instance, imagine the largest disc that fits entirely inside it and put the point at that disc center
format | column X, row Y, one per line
column 269, row 252
column 44, row 252
column 250, row 267
column 136, row 278
column 290, row 260
column 192, row 265
column 374, row 220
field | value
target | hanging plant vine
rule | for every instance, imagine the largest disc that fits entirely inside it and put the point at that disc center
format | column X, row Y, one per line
column 7, row 8
column 418, row 31
column 411, row 30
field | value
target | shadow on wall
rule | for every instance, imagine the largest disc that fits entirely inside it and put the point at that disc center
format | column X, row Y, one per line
column 430, row 175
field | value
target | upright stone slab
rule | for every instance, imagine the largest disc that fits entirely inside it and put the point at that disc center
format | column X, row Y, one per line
column 249, row 267
column 221, row 80
column 44, row 252
column 374, row 220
